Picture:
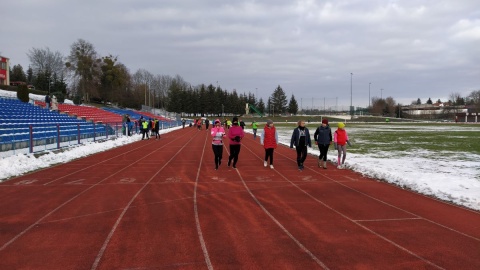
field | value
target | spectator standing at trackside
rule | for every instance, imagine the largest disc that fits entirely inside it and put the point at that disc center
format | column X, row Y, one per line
column 183, row 122
column 340, row 140
column 254, row 127
column 54, row 102
column 242, row 124
column 301, row 139
column 207, row 124
column 152, row 127
column 129, row 125
column 144, row 125
column 47, row 102
column 235, row 134
column 269, row 140
column 157, row 129
column 218, row 133
column 139, row 123
column 323, row 138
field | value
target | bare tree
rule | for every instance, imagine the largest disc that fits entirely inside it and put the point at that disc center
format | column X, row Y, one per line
column 46, row 61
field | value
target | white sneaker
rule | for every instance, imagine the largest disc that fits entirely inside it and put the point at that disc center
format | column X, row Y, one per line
column 264, row 164
column 271, row 166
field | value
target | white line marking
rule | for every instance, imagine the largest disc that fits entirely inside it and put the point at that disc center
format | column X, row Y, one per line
column 197, row 219
column 96, row 164
column 387, row 219
column 401, row 209
column 299, row 244
column 353, row 221
column 65, row 203
column 114, row 228
column 317, row 260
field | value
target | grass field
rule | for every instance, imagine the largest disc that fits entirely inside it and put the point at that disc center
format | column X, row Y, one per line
column 440, row 160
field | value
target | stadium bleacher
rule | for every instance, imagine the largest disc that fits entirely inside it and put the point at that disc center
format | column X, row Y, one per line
column 87, row 112
column 24, row 122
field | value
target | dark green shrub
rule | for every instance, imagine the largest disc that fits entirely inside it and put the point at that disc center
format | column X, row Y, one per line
column 77, row 100
column 60, row 96
column 22, row 93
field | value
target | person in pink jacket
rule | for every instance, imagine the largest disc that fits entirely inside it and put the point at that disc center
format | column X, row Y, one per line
column 218, row 133
column 235, row 134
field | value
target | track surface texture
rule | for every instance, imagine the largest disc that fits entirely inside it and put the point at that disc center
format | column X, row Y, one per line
column 161, row 205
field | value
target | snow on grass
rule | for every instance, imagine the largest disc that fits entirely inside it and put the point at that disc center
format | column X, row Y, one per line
column 452, row 176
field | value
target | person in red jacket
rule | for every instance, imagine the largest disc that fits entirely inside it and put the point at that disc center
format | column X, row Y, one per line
column 340, row 140
column 269, row 140
column 236, row 134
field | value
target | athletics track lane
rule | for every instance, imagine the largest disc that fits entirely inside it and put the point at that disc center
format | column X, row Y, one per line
column 257, row 218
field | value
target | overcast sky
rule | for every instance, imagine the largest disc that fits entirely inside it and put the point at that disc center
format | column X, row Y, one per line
column 411, row 49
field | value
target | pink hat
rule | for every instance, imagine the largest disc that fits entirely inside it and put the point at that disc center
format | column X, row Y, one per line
column 217, row 121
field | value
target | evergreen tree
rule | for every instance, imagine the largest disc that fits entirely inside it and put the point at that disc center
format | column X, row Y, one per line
column 419, row 102
column 17, row 74
column 429, row 101
column 261, row 106
column 279, row 100
column 30, row 75
column 293, row 105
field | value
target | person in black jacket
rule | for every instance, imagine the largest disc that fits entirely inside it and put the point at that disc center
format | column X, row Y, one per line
column 301, row 139
column 323, row 138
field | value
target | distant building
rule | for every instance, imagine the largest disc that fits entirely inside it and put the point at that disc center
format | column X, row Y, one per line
column 4, row 71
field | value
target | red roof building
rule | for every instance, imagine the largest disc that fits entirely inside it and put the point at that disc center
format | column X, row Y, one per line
column 4, row 71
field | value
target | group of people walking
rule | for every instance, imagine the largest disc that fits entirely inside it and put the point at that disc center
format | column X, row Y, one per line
column 300, row 139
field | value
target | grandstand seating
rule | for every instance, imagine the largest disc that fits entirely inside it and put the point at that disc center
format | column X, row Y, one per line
column 135, row 115
column 89, row 113
column 17, row 117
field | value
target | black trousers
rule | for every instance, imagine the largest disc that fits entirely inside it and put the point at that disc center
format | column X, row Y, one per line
column 218, row 152
column 144, row 132
column 269, row 154
column 323, row 151
column 234, row 151
column 301, row 154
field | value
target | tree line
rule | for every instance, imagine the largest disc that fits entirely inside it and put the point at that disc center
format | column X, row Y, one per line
column 85, row 76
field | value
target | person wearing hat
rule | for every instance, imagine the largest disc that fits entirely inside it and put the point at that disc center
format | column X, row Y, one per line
column 323, row 138
column 340, row 140
column 269, row 140
column 217, row 142
column 235, row 134
column 301, row 139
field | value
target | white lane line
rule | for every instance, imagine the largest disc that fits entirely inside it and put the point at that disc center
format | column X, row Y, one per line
column 353, row 221
column 360, row 225
column 299, row 244
column 119, row 219
column 65, row 203
column 197, row 219
column 88, row 167
column 401, row 209
column 386, row 219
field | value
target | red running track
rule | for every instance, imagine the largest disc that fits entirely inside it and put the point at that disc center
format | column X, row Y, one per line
column 160, row 205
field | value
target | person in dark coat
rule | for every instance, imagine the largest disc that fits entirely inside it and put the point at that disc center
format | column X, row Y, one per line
column 323, row 138
column 301, row 139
